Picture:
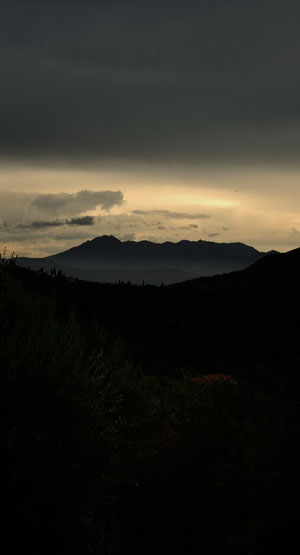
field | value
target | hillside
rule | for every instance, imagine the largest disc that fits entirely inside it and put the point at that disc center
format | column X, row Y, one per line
column 274, row 269
column 115, row 438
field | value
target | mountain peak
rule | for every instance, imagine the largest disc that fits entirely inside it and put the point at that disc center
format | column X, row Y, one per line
column 106, row 239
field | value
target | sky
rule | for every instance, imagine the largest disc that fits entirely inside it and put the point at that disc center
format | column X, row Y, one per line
column 152, row 120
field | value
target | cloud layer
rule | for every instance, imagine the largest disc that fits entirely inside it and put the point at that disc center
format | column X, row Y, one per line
column 200, row 81
column 29, row 210
column 171, row 215
column 76, row 203
column 85, row 220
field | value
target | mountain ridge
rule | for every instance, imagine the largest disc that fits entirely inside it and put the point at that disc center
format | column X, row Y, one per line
column 107, row 258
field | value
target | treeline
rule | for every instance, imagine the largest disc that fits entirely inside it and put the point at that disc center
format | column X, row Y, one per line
column 218, row 326
column 102, row 457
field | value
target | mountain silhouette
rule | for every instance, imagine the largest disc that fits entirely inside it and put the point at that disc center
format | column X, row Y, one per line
column 277, row 265
column 274, row 267
column 108, row 259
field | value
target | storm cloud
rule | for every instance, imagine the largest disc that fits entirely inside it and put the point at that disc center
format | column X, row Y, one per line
column 190, row 109
column 197, row 82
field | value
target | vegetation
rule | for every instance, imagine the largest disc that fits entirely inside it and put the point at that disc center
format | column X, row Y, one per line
column 105, row 453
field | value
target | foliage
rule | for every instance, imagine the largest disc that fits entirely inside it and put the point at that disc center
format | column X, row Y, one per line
column 101, row 458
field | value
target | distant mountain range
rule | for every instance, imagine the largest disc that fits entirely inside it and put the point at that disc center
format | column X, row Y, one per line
column 107, row 259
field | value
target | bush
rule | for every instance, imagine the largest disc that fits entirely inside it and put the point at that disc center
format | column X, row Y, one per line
column 99, row 458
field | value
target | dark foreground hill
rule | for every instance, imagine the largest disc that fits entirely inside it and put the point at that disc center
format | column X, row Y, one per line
column 274, row 269
column 106, row 259
column 109, row 444
column 277, row 267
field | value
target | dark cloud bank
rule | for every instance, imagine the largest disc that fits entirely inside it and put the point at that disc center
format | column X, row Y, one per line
column 183, row 81
column 85, row 220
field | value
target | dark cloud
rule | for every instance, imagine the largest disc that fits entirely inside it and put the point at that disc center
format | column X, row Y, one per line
column 213, row 234
column 85, row 220
column 171, row 215
column 200, row 81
